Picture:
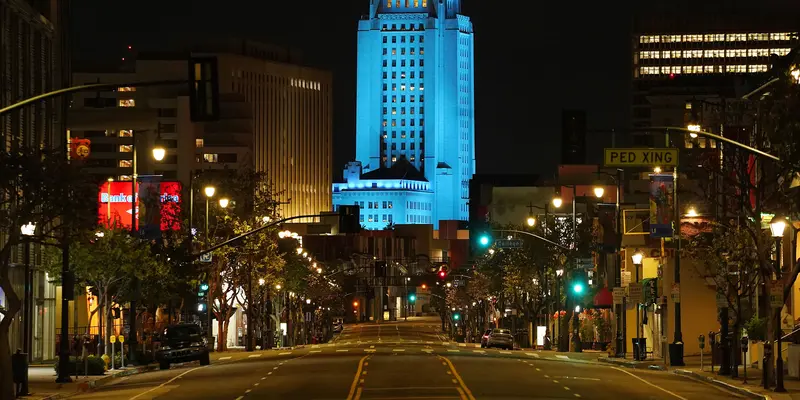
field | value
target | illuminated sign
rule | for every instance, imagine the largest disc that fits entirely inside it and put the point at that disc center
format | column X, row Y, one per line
column 157, row 205
column 641, row 157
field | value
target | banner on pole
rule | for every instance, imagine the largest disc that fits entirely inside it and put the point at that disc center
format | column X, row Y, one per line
column 661, row 205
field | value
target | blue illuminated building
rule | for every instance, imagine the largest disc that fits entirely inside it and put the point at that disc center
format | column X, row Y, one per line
column 415, row 126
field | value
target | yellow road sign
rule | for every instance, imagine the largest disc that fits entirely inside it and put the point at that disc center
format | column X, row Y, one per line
column 641, row 157
column 112, row 339
column 121, row 339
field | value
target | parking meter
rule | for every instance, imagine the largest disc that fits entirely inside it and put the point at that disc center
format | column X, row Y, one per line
column 702, row 340
column 713, row 339
column 744, row 342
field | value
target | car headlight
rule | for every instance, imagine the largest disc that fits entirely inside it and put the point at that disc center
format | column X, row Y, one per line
column 166, row 348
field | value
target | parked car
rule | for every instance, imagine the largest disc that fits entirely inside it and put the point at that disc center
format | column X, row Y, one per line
column 182, row 343
column 500, row 338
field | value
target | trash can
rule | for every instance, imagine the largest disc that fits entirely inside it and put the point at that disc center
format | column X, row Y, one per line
column 639, row 348
column 19, row 370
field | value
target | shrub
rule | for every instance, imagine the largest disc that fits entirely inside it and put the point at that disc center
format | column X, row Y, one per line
column 96, row 366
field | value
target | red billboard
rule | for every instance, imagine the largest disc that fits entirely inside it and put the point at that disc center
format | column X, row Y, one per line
column 157, row 205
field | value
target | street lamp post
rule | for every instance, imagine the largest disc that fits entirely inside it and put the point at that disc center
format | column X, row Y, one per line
column 559, row 343
column 27, row 231
column 777, row 226
column 637, row 263
column 620, row 309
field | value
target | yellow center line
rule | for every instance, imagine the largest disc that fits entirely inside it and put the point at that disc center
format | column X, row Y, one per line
column 468, row 392
column 355, row 395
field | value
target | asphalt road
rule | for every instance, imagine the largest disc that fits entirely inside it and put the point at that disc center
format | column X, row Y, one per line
column 407, row 360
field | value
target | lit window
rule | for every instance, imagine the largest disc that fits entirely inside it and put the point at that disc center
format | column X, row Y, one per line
column 758, row 52
column 671, row 38
column 649, row 54
column 692, row 38
column 125, row 163
column 127, row 103
column 126, row 89
column 389, row 3
column 649, row 39
column 394, row 159
column 692, row 53
column 212, row 158
column 198, row 143
column 736, row 53
column 714, row 53
column 757, row 68
column 424, row 3
column 125, row 148
column 781, row 52
column 125, row 133
column 779, row 36
column 736, row 37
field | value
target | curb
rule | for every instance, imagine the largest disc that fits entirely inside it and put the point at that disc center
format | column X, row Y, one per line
column 632, row 364
column 88, row 386
column 717, row 382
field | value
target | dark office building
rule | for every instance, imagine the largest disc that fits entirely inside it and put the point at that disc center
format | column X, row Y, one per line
column 573, row 137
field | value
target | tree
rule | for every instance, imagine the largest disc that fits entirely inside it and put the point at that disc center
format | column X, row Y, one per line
column 234, row 267
column 40, row 187
column 107, row 260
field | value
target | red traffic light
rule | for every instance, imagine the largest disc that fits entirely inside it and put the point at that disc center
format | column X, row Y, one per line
column 442, row 274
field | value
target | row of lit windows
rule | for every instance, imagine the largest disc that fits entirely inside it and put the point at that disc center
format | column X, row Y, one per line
column 412, row 63
column 419, row 219
column 411, row 39
column 703, row 69
column 408, row 3
column 403, row 146
column 403, row 87
column 302, row 83
column 375, row 204
column 127, row 103
column 374, row 218
column 403, row 75
column 715, row 53
column 411, row 51
column 403, row 135
column 411, row 27
column 716, row 37
column 412, row 98
column 411, row 110
column 403, row 122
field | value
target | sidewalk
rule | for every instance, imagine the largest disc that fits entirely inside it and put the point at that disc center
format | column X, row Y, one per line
column 42, row 381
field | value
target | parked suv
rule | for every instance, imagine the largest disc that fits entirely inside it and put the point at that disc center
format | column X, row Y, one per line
column 181, row 343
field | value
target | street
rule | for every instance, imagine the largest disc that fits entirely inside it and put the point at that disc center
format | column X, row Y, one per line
column 403, row 360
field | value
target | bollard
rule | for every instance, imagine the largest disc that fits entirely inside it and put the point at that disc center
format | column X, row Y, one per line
column 713, row 340
column 744, row 342
column 113, row 340
column 122, row 349
column 766, row 362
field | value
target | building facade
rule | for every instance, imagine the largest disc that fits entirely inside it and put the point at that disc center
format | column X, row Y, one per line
column 705, row 59
column 415, row 99
column 30, row 64
column 275, row 117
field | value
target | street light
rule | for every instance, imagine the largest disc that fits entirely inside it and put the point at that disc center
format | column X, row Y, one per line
column 278, row 286
column 694, row 128
column 223, row 202
column 637, row 258
column 159, row 152
column 28, row 230
column 210, row 190
column 691, row 212
column 777, row 226
column 599, row 191
column 531, row 221
column 557, row 201
column 657, row 170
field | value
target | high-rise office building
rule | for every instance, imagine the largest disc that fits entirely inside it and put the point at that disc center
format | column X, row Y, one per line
column 275, row 118
column 702, row 58
column 415, row 113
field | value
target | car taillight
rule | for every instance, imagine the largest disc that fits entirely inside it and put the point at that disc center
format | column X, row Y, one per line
column 485, row 336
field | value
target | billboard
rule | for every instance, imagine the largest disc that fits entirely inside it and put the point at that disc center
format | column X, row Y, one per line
column 661, row 205
column 157, row 205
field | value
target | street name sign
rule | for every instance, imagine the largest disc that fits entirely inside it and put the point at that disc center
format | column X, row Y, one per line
column 618, row 294
column 585, row 263
column 508, row 243
column 641, row 157
column 636, row 292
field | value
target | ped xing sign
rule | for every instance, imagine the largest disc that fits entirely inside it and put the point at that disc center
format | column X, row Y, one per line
column 641, row 158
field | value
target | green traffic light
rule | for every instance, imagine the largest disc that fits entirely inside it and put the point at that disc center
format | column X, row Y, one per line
column 577, row 288
column 456, row 316
column 412, row 298
column 204, row 287
column 484, row 240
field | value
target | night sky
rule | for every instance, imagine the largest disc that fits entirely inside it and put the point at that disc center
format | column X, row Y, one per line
column 533, row 59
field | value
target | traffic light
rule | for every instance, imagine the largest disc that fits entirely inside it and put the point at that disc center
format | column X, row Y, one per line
column 456, row 316
column 202, row 297
column 412, row 297
column 203, row 89
column 484, row 240
column 480, row 232
column 578, row 287
column 442, row 272
column 578, row 284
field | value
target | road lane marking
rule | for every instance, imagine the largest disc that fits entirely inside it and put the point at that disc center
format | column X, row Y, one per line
column 577, row 395
column 566, row 388
column 547, row 376
column 454, row 350
column 478, row 351
column 353, row 395
column 264, row 378
column 270, row 373
column 504, row 352
column 538, row 369
column 225, row 358
column 166, row 383
column 555, row 381
column 467, row 392
column 285, row 353
column 454, row 381
column 257, row 383
column 369, row 350
column 398, row 349
column 651, row 384
column 562, row 357
column 240, row 398
column 248, row 391
column 315, row 351
column 342, row 351
column 372, row 347
column 532, row 355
